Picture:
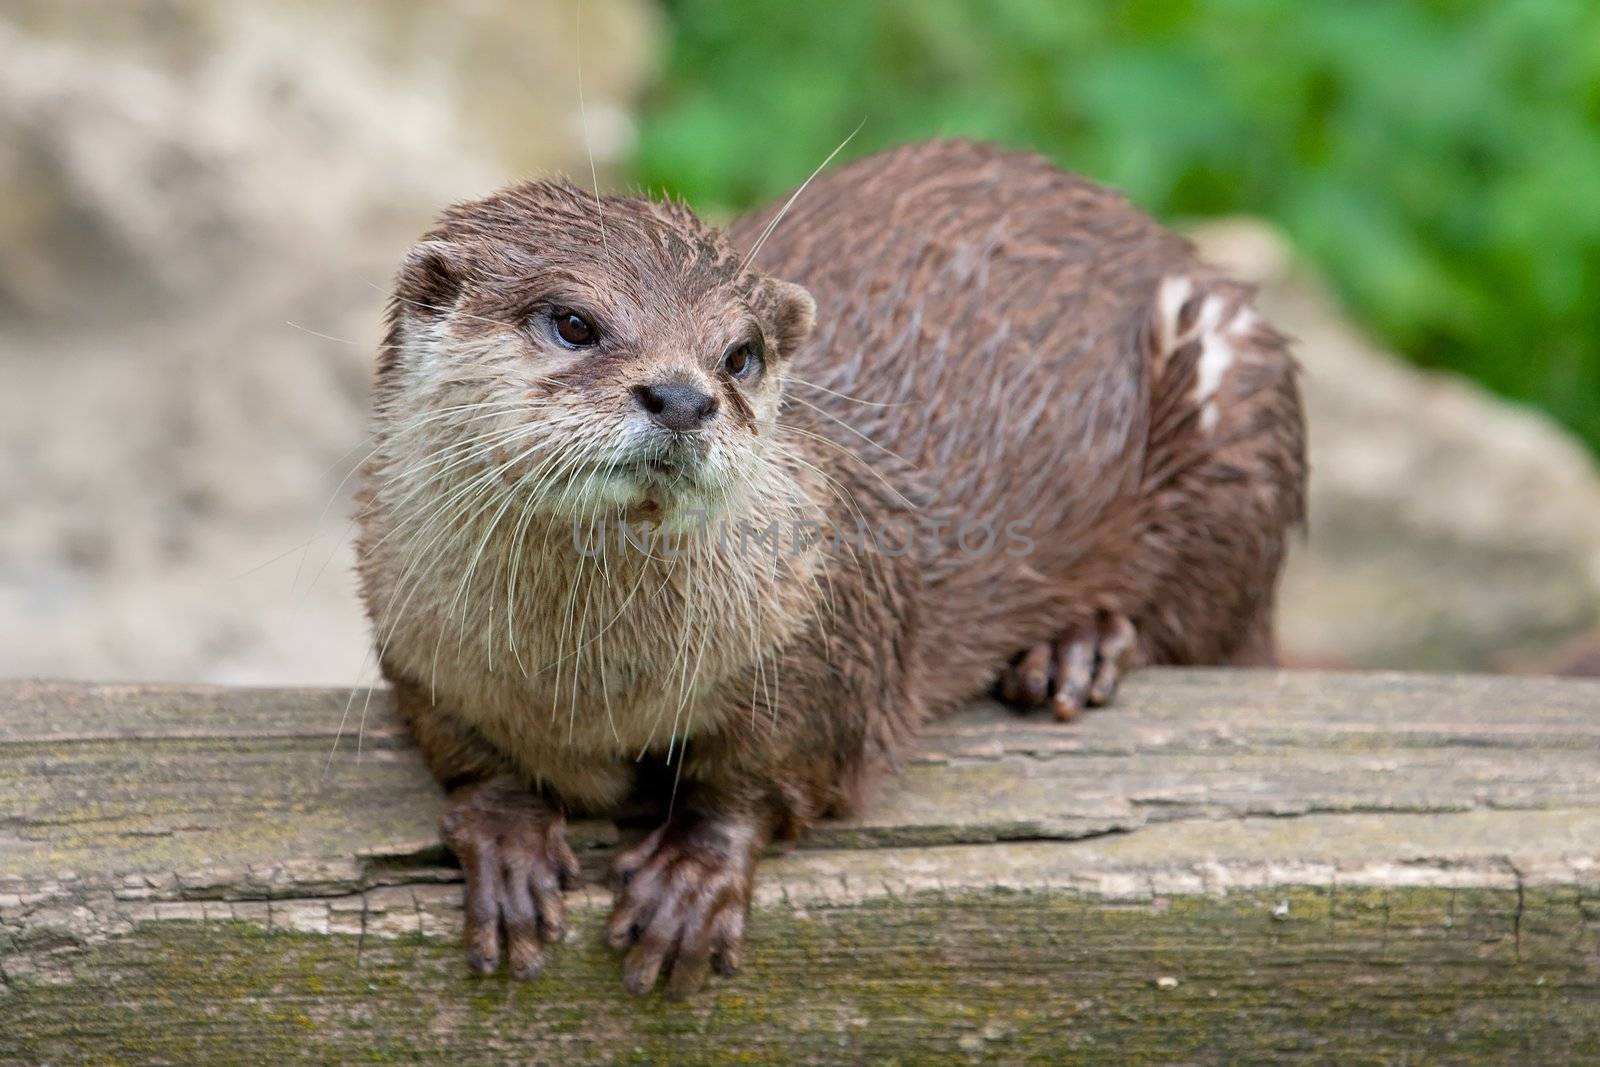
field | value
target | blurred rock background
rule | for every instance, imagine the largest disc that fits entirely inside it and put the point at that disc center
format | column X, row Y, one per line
column 200, row 205
column 201, row 202
column 1449, row 529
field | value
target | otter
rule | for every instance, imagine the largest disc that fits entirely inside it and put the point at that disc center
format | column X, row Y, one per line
column 992, row 427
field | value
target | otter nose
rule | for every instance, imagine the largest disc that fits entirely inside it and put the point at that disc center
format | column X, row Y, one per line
column 676, row 405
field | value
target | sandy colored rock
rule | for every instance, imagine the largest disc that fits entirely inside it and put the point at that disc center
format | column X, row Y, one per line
column 202, row 205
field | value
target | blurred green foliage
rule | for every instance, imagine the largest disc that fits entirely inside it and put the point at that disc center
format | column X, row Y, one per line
column 1439, row 158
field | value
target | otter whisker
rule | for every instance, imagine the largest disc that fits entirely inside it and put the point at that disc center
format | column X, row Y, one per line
column 792, row 379
column 621, row 610
column 750, row 257
column 466, row 579
column 674, row 570
column 834, row 418
column 509, row 499
column 579, row 643
column 489, row 502
column 476, row 450
column 304, row 546
column 518, row 535
column 450, row 448
column 685, row 687
column 551, row 467
column 387, row 630
column 788, row 491
column 324, row 336
column 830, row 442
column 843, row 494
column 572, row 706
column 605, row 687
column 446, row 513
column 338, row 733
column 425, row 519
column 588, row 145
column 486, row 495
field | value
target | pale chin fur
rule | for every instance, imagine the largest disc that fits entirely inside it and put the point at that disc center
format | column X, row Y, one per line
column 678, row 504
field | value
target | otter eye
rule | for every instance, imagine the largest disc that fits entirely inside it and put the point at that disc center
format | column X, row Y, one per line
column 743, row 360
column 574, row 330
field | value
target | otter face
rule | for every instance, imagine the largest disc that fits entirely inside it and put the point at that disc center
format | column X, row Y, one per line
column 592, row 355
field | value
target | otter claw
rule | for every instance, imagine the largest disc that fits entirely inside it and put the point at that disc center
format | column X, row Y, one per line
column 682, row 896
column 514, row 853
column 1079, row 669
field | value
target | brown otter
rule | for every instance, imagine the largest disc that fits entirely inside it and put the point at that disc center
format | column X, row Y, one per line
column 999, row 425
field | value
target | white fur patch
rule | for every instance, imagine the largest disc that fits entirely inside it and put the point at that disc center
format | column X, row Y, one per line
column 1220, row 332
column 1216, row 356
column 1175, row 290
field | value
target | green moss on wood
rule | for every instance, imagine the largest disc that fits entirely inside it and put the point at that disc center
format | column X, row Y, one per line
column 1353, row 975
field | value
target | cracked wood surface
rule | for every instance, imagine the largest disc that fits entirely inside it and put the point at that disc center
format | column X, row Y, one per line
column 1227, row 865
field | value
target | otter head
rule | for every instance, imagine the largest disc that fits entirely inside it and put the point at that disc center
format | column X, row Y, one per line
column 593, row 355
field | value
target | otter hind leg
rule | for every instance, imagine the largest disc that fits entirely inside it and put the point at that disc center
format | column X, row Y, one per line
column 1080, row 668
column 1223, row 482
column 1224, row 477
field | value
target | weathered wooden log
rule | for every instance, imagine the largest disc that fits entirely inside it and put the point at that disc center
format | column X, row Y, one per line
column 1227, row 866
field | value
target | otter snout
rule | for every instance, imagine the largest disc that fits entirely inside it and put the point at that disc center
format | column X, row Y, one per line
column 680, row 406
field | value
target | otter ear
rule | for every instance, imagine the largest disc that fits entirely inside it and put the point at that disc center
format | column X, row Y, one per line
column 429, row 280
column 794, row 312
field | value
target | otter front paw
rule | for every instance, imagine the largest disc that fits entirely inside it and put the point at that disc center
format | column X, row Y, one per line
column 1080, row 668
column 513, row 849
column 682, row 897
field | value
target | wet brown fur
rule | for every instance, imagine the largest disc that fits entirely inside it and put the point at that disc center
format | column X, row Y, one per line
column 987, row 345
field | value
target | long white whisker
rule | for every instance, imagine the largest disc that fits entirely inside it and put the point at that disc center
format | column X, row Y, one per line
column 324, row 336
column 588, row 145
column 750, row 258
column 834, row 418
column 844, row 396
